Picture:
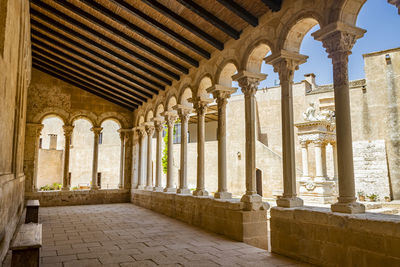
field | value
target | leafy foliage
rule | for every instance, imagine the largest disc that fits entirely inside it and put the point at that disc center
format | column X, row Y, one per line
column 54, row 186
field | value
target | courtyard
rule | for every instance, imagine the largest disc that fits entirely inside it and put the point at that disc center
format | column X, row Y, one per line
column 128, row 235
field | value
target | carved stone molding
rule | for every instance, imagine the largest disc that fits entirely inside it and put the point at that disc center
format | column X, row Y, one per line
column 249, row 81
column 68, row 130
column 285, row 63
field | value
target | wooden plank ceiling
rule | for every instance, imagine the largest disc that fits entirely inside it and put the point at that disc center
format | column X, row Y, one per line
column 126, row 51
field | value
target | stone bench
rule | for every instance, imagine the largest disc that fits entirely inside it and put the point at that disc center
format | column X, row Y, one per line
column 32, row 211
column 26, row 246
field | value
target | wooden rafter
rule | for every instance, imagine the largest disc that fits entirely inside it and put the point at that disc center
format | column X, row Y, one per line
column 185, row 23
column 240, row 11
column 216, row 22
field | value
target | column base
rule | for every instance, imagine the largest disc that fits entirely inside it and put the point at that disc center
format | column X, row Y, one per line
column 150, row 188
column 140, row 187
column 289, row 202
column 120, row 186
column 65, row 189
column 223, row 195
column 183, row 191
column 170, row 190
column 158, row 189
column 351, row 207
column 200, row 193
column 94, row 187
column 253, row 202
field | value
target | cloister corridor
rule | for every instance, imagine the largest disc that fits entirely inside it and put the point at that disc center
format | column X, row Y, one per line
column 128, row 235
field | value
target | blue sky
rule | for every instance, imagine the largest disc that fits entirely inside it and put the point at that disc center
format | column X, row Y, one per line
column 382, row 23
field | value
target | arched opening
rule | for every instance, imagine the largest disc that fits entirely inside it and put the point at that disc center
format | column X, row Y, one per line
column 51, row 154
column 81, row 159
column 109, row 155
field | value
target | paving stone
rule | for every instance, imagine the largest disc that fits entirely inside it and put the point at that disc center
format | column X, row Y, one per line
column 126, row 235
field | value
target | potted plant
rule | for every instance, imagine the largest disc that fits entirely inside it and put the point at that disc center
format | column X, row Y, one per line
column 373, row 197
column 387, row 199
column 361, row 195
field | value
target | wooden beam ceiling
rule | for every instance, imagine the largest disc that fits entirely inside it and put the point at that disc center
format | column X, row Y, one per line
column 126, row 51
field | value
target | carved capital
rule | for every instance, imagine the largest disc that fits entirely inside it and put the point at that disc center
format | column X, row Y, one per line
column 201, row 108
column 96, row 130
column 285, row 63
column 35, row 129
column 221, row 91
column 150, row 130
column 249, row 81
column 170, row 118
column 68, row 129
column 338, row 39
column 140, row 131
column 158, row 124
column 183, row 112
column 124, row 134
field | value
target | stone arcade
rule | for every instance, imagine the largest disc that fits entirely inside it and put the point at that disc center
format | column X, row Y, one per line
column 144, row 64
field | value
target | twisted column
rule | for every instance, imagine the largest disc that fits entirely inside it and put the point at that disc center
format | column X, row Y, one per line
column 221, row 94
column 170, row 118
column 68, row 129
column 159, row 127
column 96, row 132
column 249, row 82
column 285, row 63
column 338, row 39
column 142, row 134
column 150, row 132
column 183, row 112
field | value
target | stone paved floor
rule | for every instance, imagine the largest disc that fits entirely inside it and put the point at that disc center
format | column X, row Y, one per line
column 128, row 235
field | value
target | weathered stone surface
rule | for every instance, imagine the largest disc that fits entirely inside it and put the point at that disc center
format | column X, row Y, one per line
column 80, row 197
column 319, row 236
column 219, row 216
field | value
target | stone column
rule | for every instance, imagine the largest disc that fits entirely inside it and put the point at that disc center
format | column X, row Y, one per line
column 159, row 127
column 170, row 118
column 304, row 158
column 142, row 134
column 285, row 63
column 96, row 132
column 334, row 152
column 68, row 129
column 221, row 94
column 319, row 168
column 338, row 40
column 249, row 82
column 183, row 112
column 123, row 135
column 31, row 155
column 200, row 104
column 150, row 133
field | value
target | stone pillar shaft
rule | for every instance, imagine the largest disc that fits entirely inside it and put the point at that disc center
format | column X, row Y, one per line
column 184, row 117
column 142, row 134
column 150, row 133
column 335, row 170
column 122, row 160
column 170, row 118
column 338, row 39
column 35, row 130
column 159, row 130
column 249, row 82
column 318, row 159
column 201, row 108
column 96, row 133
column 286, row 63
column 304, row 159
column 67, row 134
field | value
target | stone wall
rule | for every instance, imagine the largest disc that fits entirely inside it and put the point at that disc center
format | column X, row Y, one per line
column 48, row 96
column 80, row 197
column 218, row 216
column 370, row 168
column 50, row 171
column 324, row 238
column 15, row 62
